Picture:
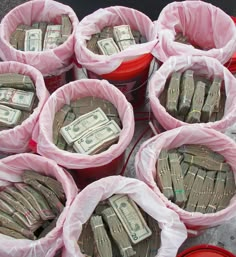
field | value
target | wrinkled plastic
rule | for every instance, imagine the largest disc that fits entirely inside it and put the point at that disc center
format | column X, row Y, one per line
column 173, row 231
column 11, row 169
column 149, row 151
column 201, row 65
column 49, row 62
column 15, row 140
column 206, row 26
column 112, row 16
column 64, row 95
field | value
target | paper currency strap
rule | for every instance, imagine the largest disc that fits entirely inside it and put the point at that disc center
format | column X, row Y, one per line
column 41, row 36
column 109, row 232
column 17, row 99
column 192, row 98
column 89, row 125
column 30, row 209
column 112, row 40
column 196, row 178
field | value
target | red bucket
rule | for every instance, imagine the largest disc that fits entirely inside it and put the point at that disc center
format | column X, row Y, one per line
column 231, row 64
column 205, row 251
column 83, row 177
column 130, row 78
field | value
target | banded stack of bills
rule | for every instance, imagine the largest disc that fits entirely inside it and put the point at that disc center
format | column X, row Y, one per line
column 112, row 40
column 30, row 209
column 9, row 117
column 120, row 229
column 208, row 179
column 193, row 98
column 41, row 35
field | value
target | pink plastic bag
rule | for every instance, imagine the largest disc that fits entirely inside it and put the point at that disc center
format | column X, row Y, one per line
column 72, row 91
column 173, row 231
column 112, row 16
column 11, row 169
column 149, row 151
column 204, row 24
column 15, row 140
column 201, row 65
column 50, row 62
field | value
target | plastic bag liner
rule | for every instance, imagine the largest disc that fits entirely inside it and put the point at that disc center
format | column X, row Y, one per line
column 204, row 24
column 149, row 151
column 49, row 62
column 112, row 16
column 15, row 140
column 173, row 231
column 11, row 169
column 201, row 65
column 73, row 91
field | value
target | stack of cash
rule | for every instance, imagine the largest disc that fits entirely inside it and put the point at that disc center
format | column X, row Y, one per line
column 200, row 175
column 118, row 228
column 41, row 36
column 183, row 39
column 112, row 40
column 29, row 209
column 194, row 99
column 88, row 125
column 17, row 99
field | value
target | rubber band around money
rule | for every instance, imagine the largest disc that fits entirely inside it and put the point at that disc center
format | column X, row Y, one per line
column 100, row 225
column 180, row 191
column 193, row 111
column 212, row 206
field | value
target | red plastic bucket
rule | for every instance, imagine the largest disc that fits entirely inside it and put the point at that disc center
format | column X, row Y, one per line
column 205, row 251
column 130, row 78
column 83, row 177
column 231, row 64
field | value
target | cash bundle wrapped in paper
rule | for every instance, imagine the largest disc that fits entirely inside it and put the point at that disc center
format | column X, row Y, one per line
column 41, row 36
column 119, row 228
column 17, row 99
column 112, row 40
column 88, row 125
column 202, row 181
column 194, row 99
column 29, row 209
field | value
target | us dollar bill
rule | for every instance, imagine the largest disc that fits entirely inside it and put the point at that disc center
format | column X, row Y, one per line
column 66, row 27
column 107, row 46
column 81, row 125
column 15, row 98
column 123, row 36
column 33, row 40
column 53, row 34
column 130, row 217
column 17, row 81
column 9, row 117
column 98, row 139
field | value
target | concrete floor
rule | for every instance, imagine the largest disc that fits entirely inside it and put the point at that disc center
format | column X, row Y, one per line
column 224, row 235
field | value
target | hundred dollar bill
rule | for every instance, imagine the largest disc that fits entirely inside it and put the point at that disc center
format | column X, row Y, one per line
column 81, row 125
column 15, row 98
column 85, row 239
column 9, row 117
column 17, row 81
column 123, row 36
column 107, row 46
column 21, row 36
column 53, row 33
column 98, row 139
column 126, row 44
column 33, row 40
column 131, row 218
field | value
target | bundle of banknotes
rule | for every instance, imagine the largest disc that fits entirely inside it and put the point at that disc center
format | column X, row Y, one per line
column 181, row 38
column 30, row 209
column 195, row 178
column 119, row 228
column 17, row 99
column 88, row 125
column 192, row 98
column 41, row 36
column 112, row 40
